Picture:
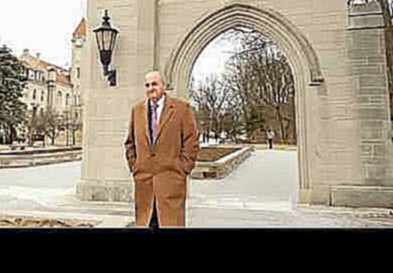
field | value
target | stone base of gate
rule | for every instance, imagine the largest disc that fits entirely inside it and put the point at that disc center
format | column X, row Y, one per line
column 318, row 195
column 362, row 196
column 109, row 191
column 304, row 196
column 348, row 196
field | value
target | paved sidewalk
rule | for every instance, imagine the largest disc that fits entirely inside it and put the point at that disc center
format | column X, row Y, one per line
column 47, row 192
column 262, row 192
column 297, row 218
column 257, row 194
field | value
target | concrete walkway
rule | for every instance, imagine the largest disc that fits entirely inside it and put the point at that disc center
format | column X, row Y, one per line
column 260, row 193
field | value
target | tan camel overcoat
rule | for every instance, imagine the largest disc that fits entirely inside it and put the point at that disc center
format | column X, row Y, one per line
column 160, row 170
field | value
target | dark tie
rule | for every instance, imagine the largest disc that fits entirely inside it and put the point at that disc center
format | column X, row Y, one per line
column 154, row 122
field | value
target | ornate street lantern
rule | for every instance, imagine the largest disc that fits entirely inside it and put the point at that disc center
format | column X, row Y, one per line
column 106, row 39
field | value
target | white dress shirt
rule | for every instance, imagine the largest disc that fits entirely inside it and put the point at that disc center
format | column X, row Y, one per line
column 160, row 106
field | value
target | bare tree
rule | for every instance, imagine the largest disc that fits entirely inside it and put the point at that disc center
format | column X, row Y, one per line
column 257, row 80
column 71, row 123
column 262, row 77
column 35, row 124
column 52, row 123
column 213, row 101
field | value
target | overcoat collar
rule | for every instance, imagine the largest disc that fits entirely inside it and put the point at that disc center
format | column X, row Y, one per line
column 165, row 117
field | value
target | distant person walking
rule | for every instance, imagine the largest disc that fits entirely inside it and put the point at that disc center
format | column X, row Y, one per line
column 270, row 138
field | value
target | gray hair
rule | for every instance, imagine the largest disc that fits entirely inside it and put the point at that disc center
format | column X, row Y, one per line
column 163, row 79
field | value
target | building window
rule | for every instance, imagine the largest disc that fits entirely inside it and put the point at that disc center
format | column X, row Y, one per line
column 59, row 98
column 75, row 102
column 78, row 72
column 67, row 99
column 42, row 95
column 34, row 94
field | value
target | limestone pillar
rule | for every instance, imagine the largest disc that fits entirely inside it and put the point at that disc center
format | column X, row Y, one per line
column 366, row 76
column 105, row 174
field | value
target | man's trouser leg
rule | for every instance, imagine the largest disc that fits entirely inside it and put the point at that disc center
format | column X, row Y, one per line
column 153, row 224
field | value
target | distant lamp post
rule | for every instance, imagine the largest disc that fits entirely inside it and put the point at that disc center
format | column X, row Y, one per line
column 106, row 39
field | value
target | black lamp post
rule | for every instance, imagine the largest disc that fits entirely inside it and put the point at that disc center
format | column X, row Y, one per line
column 106, row 40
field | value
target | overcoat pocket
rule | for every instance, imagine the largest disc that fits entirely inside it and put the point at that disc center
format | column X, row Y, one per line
column 134, row 167
column 182, row 165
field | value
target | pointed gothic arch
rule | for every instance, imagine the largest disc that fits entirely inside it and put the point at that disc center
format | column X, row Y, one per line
column 301, row 57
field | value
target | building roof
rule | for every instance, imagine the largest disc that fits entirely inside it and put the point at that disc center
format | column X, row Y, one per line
column 80, row 31
column 36, row 64
column 61, row 73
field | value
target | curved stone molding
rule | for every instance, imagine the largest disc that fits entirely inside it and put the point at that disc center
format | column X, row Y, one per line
column 272, row 24
column 299, row 52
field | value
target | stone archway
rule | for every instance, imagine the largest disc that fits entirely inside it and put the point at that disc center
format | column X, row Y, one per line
column 336, row 53
column 301, row 56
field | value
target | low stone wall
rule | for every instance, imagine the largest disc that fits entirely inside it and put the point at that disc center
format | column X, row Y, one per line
column 221, row 168
column 36, row 157
column 123, row 191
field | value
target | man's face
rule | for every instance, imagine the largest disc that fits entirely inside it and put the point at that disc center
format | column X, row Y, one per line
column 154, row 86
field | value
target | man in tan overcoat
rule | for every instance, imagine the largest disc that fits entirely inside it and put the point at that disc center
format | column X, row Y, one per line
column 161, row 149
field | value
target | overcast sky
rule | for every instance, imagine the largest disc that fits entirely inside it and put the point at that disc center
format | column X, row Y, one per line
column 43, row 26
column 46, row 26
column 212, row 59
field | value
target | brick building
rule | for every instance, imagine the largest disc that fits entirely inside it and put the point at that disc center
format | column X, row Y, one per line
column 51, row 85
